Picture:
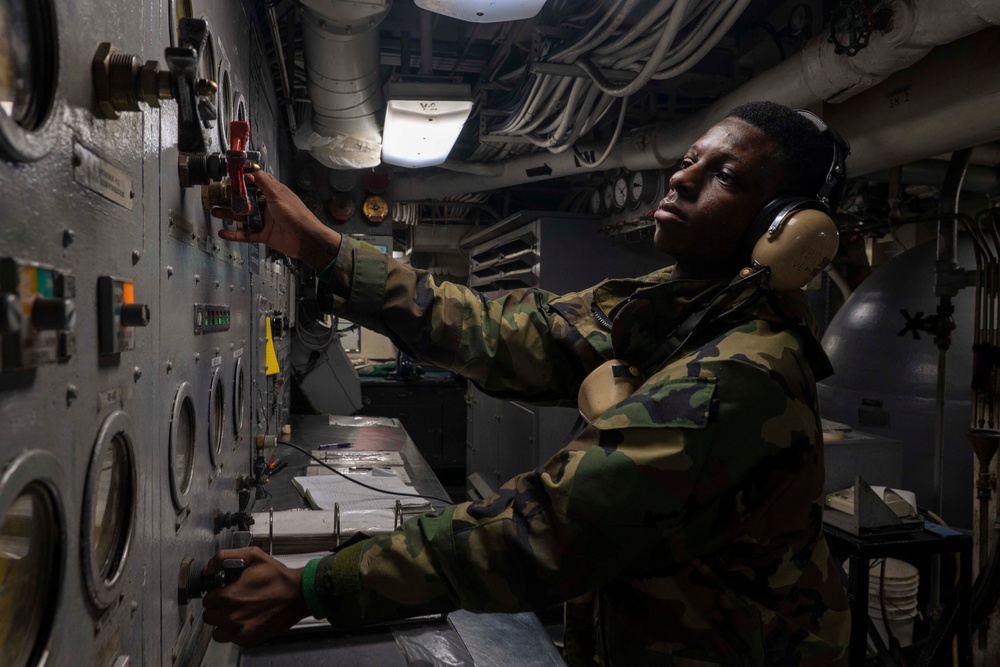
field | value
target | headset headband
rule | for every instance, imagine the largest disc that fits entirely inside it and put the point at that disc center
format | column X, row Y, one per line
column 841, row 149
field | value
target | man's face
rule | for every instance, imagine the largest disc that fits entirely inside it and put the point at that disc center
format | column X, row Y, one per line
column 724, row 179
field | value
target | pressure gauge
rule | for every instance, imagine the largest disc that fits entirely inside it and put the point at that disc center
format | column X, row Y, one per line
column 609, row 196
column 620, row 192
column 342, row 208
column 595, row 203
column 375, row 209
column 343, row 181
column 643, row 187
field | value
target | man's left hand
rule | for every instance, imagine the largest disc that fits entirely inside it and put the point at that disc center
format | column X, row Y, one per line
column 265, row 601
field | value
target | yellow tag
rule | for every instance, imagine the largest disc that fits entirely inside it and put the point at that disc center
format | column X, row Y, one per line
column 270, row 358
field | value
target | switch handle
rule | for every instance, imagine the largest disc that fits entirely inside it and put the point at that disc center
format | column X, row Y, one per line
column 236, row 163
column 183, row 62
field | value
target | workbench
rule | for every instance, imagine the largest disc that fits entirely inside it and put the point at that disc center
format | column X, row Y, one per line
column 490, row 639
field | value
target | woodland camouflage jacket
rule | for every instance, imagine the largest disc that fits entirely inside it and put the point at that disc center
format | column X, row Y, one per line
column 683, row 527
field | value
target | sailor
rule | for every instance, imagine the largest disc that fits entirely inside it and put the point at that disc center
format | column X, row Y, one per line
column 680, row 523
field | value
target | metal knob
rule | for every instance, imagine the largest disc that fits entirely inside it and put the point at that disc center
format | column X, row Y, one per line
column 134, row 314
column 48, row 314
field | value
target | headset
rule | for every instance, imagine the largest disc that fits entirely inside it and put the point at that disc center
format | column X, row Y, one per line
column 794, row 235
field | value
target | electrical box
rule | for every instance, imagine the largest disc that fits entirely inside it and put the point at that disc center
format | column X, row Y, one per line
column 37, row 314
column 117, row 315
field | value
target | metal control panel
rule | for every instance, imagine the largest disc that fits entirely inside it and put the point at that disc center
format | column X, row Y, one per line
column 130, row 382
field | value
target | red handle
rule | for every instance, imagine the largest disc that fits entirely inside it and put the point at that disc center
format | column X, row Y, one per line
column 236, row 164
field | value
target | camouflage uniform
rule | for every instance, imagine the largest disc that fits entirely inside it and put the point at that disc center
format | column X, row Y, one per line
column 684, row 525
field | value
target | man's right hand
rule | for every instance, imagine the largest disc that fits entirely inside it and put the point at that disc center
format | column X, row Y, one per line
column 289, row 227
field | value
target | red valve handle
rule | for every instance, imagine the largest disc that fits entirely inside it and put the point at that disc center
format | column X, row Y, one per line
column 236, row 164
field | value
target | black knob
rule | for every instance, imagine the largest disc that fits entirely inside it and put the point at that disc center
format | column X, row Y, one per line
column 48, row 314
column 11, row 318
column 135, row 315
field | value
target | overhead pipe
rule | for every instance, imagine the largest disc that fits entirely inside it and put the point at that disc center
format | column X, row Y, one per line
column 279, row 52
column 342, row 63
column 813, row 75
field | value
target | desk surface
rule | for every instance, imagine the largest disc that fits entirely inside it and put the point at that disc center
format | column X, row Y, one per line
column 324, row 645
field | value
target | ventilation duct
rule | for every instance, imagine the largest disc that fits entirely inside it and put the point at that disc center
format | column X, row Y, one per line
column 342, row 62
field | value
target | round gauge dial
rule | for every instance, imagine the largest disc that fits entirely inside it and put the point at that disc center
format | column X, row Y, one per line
column 642, row 187
column 609, row 196
column 620, row 192
column 375, row 209
column 595, row 203
column 342, row 208
column 342, row 180
column 29, row 61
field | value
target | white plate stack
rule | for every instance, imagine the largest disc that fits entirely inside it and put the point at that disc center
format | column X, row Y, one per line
column 896, row 592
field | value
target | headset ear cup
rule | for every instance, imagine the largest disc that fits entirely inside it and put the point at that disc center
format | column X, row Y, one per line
column 802, row 246
column 765, row 217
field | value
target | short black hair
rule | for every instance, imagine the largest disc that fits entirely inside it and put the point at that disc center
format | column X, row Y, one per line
column 804, row 151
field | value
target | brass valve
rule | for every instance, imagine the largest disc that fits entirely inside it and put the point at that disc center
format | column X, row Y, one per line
column 121, row 82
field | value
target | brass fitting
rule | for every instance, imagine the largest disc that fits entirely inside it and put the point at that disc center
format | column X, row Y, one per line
column 215, row 194
column 121, row 82
column 154, row 84
column 207, row 87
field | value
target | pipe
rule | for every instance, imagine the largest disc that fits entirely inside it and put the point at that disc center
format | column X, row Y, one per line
column 952, row 102
column 426, row 43
column 279, row 52
column 978, row 179
column 342, row 63
column 838, row 279
column 947, row 237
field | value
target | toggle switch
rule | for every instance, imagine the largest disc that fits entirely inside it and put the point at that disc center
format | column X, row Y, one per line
column 121, row 82
column 118, row 315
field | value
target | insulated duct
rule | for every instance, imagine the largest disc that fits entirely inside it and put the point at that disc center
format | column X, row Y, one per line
column 815, row 74
column 342, row 62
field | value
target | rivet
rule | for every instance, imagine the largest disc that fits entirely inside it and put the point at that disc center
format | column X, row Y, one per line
column 71, row 393
column 170, row 271
column 197, row 278
column 170, row 366
column 136, row 255
column 68, row 237
column 136, row 373
column 197, row 356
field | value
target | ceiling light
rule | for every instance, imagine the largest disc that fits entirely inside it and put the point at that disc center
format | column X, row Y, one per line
column 484, row 11
column 423, row 121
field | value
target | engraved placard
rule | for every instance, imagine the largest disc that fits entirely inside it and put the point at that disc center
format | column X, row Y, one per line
column 102, row 177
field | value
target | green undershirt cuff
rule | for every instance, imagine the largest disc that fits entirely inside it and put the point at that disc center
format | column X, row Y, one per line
column 309, row 589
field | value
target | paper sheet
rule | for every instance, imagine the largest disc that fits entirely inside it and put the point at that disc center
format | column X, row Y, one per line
column 324, row 491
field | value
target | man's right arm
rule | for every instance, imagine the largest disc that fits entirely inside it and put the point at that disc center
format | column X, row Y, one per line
column 514, row 344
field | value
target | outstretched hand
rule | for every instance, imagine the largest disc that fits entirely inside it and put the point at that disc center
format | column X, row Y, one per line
column 289, row 226
column 265, row 601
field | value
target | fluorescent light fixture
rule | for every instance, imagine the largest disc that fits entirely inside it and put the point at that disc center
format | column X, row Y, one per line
column 423, row 121
column 484, row 11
